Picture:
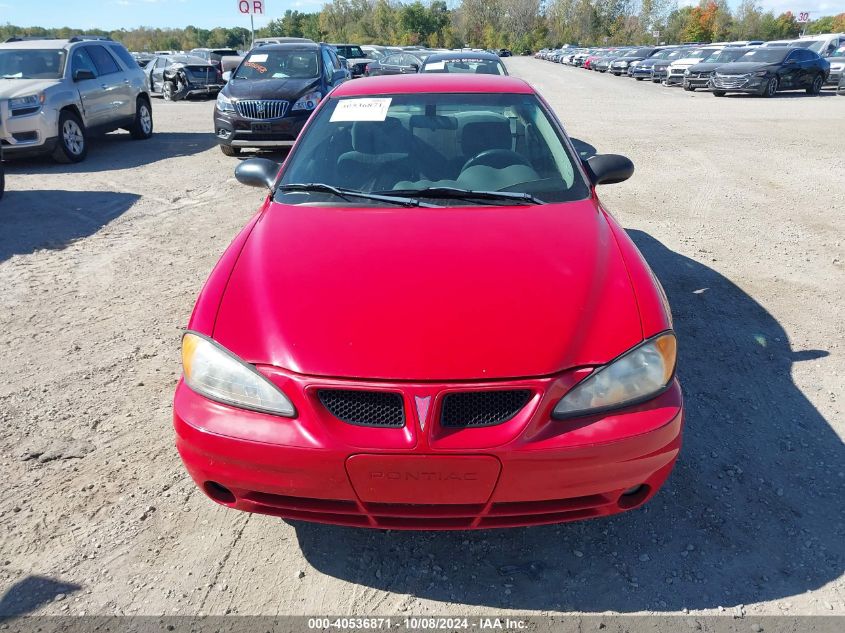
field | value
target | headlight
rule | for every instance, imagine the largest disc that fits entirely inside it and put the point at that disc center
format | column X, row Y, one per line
column 761, row 73
column 687, row 73
column 29, row 101
column 224, row 103
column 307, row 102
column 218, row 374
column 639, row 374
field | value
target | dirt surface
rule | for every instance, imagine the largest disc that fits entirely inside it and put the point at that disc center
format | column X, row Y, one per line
column 737, row 203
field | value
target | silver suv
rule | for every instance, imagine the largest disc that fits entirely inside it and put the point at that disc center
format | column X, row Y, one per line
column 54, row 93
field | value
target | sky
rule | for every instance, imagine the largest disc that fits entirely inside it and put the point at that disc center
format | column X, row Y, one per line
column 114, row 14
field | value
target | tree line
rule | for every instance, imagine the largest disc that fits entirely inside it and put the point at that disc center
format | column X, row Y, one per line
column 516, row 24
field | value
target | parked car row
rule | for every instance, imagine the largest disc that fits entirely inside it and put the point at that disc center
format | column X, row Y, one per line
column 752, row 67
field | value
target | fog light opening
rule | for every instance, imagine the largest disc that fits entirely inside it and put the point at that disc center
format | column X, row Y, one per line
column 634, row 496
column 221, row 494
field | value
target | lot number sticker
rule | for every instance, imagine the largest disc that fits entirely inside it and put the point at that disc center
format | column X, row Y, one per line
column 361, row 110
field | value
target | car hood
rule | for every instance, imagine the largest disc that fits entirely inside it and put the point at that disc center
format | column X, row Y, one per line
column 12, row 88
column 741, row 68
column 661, row 62
column 429, row 294
column 269, row 88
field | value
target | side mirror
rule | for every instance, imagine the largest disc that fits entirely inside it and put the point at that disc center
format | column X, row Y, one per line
column 82, row 75
column 227, row 76
column 415, row 68
column 338, row 75
column 607, row 169
column 258, row 172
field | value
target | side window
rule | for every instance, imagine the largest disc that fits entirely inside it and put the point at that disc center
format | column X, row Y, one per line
column 80, row 60
column 124, row 56
column 328, row 65
column 335, row 60
column 103, row 61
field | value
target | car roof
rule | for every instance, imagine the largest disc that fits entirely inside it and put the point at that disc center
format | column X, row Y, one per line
column 432, row 82
column 287, row 46
column 439, row 57
column 37, row 44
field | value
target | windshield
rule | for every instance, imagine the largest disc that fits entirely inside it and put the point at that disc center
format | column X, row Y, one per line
column 726, row 55
column 678, row 53
column 465, row 65
column 350, row 52
column 18, row 63
column 700, row 53
column 192, row 60
column 765, row 55
column 639, row 52
column 279, row 64
column 839, row 52
column 412, row 142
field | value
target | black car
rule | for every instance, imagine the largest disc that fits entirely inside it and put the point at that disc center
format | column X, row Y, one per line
column 356, row 59
column 214, row 56
column 619, row 66
column 271, row 94
column 176, row 77
column 766, row 70
column 2, row 173
column 504, row 52
column 396, row 64
column 468, row 62
column 698, row 75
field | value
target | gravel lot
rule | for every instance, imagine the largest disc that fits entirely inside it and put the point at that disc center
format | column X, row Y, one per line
column 737, row 203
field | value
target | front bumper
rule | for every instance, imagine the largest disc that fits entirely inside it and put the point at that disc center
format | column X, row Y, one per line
column 699, row 83
column 639, row 71
column 236, row 131
column 750, row 84
column 191, row 90
column 833, row 77
column 530, row 470
column 674, row 79
column 28, row 134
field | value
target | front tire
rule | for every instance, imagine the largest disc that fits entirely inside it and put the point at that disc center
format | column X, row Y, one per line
column 168, row 90
column 72, row 146
column 816, row 86
column 228, row 150
column 142, row 128
column 771, row 87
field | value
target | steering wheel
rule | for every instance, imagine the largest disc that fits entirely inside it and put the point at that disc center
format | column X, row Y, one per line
column 496, row 158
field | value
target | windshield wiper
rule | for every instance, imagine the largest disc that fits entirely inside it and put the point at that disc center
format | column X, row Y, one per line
column 455, row 193
column 346, row 194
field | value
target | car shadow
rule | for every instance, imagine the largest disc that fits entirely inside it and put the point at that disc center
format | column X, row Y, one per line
column 798, row 94
column 752, row 512
column 31, row 593
column 51, row 219
column 108, row 152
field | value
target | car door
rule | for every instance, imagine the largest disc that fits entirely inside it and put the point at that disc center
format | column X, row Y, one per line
column 115, row 83
column 790, row 75
column 410, row 65
column 157, row 75
column 94, row 100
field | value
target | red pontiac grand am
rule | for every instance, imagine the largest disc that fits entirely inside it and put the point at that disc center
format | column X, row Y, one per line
column 431, row 323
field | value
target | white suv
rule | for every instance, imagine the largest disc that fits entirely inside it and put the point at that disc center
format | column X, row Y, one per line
column 53, row 93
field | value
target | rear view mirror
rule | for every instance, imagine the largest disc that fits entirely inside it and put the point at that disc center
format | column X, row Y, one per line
column 607, row 169
column 227, row 76
column 82, row 75
column 257, row 172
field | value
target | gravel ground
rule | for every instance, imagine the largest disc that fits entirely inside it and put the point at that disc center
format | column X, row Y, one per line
column 737, row 203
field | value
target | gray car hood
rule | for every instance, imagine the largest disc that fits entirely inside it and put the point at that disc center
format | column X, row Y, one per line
column 11, row 88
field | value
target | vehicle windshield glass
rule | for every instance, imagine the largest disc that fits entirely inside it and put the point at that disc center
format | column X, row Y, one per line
column 223, row 52
column 465, row 65
column 24, row 63
column 639, row 52
column 726, row 55
column 765, row 55
column 661, row 54
column 701, row 53
column 411, row 142
column 351, row 52
column 279, row 64
column 839, row 52
column 678, row 53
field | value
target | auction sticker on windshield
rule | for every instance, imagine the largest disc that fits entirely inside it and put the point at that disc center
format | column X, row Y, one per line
column 361, row 110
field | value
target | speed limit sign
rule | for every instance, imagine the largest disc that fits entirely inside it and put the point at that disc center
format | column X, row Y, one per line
column 803, row 17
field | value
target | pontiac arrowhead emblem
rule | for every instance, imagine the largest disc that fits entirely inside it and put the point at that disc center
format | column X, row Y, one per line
column 422, row 409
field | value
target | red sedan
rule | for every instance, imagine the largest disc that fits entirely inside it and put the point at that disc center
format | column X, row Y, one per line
column 431, row 323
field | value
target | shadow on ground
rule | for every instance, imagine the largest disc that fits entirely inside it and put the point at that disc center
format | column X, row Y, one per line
column 109, row 152
column 753, row 511
column 31, row 593
column 31, row 220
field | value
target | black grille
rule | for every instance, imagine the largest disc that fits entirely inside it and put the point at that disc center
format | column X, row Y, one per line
column 364, row 408
column 482, row 408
